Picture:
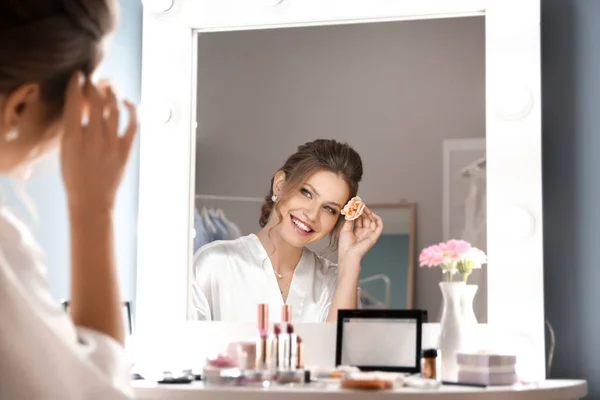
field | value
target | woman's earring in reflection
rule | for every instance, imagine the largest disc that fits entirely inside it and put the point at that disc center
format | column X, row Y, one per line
column 13, row 134
column 274, row 198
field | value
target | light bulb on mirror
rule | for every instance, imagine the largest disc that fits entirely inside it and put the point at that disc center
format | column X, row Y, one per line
column 513, row 102
column 158, row 6
column 517, row 223
column 271, row 3
column 156, row 112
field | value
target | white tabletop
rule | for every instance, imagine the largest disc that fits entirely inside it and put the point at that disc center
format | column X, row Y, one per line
column 547, row 390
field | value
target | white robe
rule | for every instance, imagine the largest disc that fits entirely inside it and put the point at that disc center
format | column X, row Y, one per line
column 232, row 277
column 42, row 354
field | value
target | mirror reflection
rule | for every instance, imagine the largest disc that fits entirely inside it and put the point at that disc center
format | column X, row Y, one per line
column 292, row 123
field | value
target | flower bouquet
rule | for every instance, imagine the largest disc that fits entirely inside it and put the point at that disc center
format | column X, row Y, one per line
column 453, row 256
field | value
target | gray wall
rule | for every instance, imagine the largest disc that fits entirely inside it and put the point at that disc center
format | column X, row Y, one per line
column 123, row 64
column 571, row 144
column 394, row 91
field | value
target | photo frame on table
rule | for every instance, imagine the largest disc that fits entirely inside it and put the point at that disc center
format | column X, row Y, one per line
column 393, row 341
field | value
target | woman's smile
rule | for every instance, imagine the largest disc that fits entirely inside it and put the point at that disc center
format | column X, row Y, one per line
column 300, row 226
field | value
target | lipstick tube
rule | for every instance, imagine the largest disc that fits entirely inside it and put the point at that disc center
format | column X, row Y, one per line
column 287, row 349
column 299, row 353
column 293, row 347
column 286, row 313
column 263, row 353
column 263, row 318
column 263, row 347
column 274, row 344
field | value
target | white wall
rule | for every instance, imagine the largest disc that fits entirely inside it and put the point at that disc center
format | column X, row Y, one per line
column 394, row 91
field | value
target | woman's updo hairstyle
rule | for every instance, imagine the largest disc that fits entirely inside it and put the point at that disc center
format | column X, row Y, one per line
column 46, row 41
column 318, row 155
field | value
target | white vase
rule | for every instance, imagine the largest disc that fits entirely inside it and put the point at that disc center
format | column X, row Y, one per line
column 451, row 328
column 471, row 338
column 466, row 303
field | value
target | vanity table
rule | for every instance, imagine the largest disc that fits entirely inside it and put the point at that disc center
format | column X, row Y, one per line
column 547, row 390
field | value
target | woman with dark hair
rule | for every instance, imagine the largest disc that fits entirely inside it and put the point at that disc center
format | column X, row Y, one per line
column 304, row 205
column 49, row 50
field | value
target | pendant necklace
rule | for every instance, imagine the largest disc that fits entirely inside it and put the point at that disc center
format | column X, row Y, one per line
column 280, row 276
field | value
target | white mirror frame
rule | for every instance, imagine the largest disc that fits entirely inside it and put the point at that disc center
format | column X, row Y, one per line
column 513, row 122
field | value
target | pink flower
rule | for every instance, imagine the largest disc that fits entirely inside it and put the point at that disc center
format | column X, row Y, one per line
column 431, row 256
column 454, row 250
column 453, row 256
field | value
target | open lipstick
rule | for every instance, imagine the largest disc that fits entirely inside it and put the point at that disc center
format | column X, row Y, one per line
column 299, row 353
column 287, row 349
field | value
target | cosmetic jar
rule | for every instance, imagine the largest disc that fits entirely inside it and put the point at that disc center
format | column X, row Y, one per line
column 431, row 364
column 213, row 376
column 286, row 377
column 259, row 378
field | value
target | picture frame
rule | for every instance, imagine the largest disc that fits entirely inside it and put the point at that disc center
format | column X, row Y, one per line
column 377, row 315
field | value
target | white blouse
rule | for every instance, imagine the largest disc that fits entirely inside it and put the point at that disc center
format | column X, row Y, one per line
column 42, row 354
column 232, row 277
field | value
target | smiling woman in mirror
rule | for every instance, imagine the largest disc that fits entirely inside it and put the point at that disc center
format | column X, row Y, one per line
column 274, row 266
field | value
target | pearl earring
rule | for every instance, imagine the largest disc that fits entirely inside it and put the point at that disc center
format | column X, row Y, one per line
column 11, row 135
column 274, row 198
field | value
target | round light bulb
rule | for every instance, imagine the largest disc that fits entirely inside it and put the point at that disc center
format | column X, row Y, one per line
column 518, row 223
column 156, row 112
column 158, row 6
column 513, row 102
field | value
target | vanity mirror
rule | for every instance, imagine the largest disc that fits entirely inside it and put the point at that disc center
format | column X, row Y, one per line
column 262, row 93
column 231, row 88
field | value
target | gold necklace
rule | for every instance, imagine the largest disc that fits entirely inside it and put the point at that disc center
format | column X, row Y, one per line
column 280, row 276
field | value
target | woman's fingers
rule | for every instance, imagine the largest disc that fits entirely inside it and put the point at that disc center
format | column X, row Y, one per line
column 132, row 128
column 96, row 107
column 375, row 221
column 347, row 226
column 378, row 224
column 73, row 106
column 370, row 221
column 358, row 224
column 111, row 114
column 374, row 226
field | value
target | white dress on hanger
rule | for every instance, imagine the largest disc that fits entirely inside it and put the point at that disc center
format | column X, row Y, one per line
column 475, row 232
column 475, row 227
column 232, row 277
column 42, row 354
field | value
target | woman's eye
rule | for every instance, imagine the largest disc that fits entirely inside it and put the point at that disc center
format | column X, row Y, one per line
column 329, row 209
column 306, row 193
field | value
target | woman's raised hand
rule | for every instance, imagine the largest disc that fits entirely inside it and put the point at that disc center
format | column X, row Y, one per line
column 93, row 154
column 359, row 236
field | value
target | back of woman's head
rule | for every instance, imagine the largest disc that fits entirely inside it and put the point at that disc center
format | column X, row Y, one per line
column 46, row 41
column 318, row 155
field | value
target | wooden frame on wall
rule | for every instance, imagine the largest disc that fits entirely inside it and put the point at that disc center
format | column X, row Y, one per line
column 412, row 246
